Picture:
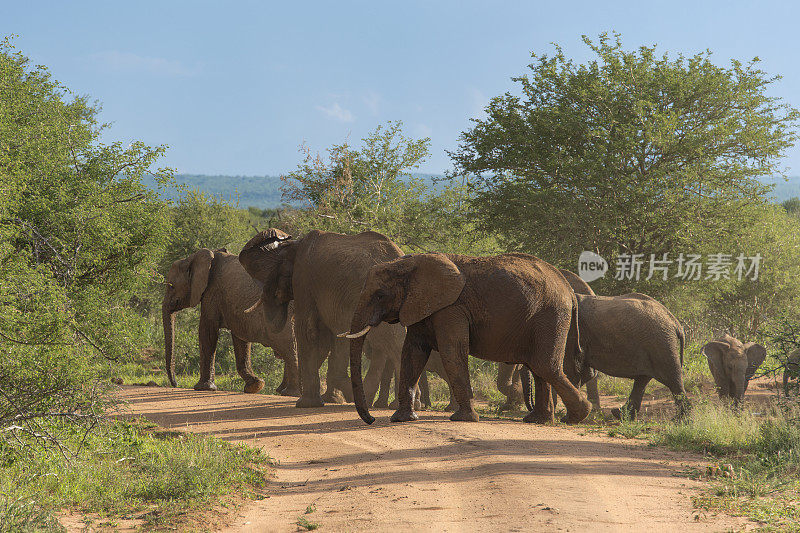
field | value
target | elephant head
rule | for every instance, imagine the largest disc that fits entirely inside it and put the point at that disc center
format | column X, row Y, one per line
column 186, row 281
column 732, row 364
column 406, row 290
column 269, row 258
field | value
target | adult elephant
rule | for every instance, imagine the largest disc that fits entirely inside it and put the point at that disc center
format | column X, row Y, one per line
column 633, row 336
column 216, row 281
column 510, row 378
column 323, row 273
column 733, row 364
column 510, row 308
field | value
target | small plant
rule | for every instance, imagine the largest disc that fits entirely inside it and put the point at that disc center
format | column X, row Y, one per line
column 304, row 523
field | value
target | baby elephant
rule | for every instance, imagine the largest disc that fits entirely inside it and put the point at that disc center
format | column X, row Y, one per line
column 732, row 365
column 633, row 336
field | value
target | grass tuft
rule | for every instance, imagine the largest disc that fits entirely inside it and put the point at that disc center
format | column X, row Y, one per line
column 124, row 469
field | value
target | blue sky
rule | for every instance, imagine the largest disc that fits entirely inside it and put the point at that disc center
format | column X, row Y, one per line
column 236, row 87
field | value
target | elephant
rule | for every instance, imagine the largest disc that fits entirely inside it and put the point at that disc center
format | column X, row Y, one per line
column 322, row 273
column 732, row 365
column 792, row 369
column 633, row 336
column 215, row 280
column 510, row 378
column 511, row 308
column 434, row 365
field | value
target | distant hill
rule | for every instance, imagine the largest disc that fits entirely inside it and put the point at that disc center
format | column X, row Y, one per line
column 265, row 191
column 785, row 189
column 257, row 191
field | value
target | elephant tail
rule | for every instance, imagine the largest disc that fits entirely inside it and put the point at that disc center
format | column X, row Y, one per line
column 580, row 359
column 681, row 340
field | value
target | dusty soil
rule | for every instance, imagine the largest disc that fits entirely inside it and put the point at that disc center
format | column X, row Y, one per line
column 436, row 475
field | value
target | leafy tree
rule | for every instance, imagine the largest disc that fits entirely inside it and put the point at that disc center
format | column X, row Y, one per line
column 632, row 152
column 792, row 206
column 371, row 187
column 79, row 236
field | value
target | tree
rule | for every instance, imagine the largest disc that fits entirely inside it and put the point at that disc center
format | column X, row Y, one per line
column 371, row 187
column 632, row 152
column 79, row 236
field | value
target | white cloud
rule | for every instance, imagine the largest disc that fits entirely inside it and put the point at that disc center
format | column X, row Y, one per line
column 128, row 62
column 373, row 102
column 423, row 130
column 478, row 101
column 337, row 112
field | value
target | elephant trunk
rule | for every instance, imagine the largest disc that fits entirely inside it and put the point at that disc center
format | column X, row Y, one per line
column 168, row 317
column 356, row 349
column 527, row 387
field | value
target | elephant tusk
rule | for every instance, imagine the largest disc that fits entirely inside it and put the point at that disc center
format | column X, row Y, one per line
column 355, row 335
column 254, row 306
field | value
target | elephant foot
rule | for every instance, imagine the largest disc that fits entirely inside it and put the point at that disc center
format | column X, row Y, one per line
column 465, row 415
column 624, row 413
column 333, row 396
column 205, row 385
column 575, row 416
column 289, row 391
column 535, row 417
column 254, row 386
column 404, row 415
column 305, row 402
column 509, row 406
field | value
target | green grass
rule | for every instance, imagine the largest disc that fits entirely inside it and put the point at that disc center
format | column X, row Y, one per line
column 755, row 459
column 124, row 470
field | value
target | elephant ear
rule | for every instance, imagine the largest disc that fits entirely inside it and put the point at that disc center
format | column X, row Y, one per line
column 755, row 356
column 277, row 291
column 434, row 282
column 715, row 353
column 199, row 271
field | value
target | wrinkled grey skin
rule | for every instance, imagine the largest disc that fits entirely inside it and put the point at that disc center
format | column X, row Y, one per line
column 792, row 369
column 509, row 308
column 510, row 378
column 633, row 336
column 434, row 365
column 732, row 364
column 323, row 273
column 217, row 282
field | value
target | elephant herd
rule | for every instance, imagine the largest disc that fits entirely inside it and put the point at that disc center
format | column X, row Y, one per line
column 331, row 296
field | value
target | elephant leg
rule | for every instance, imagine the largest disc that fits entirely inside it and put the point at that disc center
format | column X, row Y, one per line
column 505, row 374
column 593, row 394
column 386, row 383
column 244, row 366
column 338, row 387
column 373, row 378
column 313, row 347
column 208, row 336
column 630, row 409
column 543, row 403
column 414, row 356
column 452, row 337
column 290, row 386
column 452, row 405
column 424, row 390
column 547, row 361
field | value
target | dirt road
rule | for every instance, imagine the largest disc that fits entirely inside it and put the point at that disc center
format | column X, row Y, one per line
column 436, row 475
